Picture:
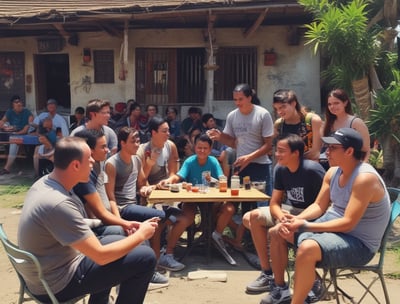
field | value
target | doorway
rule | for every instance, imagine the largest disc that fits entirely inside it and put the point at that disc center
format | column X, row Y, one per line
column 52, row 81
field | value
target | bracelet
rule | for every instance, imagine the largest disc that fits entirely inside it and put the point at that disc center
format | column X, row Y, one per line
column 303, row 228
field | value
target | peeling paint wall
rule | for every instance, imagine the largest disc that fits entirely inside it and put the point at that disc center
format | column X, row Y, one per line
column 296, row 68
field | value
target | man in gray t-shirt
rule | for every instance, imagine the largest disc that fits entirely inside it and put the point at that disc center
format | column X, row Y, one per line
column 73, row 260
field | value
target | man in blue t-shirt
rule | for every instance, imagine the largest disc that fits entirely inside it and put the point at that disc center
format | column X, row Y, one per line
column 191, row 172
column 16, row 121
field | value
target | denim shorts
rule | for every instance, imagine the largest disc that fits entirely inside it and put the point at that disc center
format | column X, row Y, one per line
column 338, row 249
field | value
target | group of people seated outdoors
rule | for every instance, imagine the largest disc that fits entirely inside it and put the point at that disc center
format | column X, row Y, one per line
column 89, row 223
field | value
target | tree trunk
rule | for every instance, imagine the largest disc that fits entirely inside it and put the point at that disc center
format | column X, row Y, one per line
column 362, row 96
column 391, row 161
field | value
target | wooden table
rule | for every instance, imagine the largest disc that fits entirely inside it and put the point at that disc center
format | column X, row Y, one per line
column 212, row 196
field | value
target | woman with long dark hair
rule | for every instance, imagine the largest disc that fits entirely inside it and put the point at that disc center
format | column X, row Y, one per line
column 339, row 114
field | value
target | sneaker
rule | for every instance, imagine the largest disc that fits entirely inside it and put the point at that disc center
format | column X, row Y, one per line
column 220, row 245
column 262, row 284
column 158, row 281
column 277, row 295
column 316, row 292
column 168, row 262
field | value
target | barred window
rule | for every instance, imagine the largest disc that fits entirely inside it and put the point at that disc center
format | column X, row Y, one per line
column 103, row 66
column 170, row 76
column 236, row 65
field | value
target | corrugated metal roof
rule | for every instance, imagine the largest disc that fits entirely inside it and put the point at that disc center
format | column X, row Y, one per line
column 48, row 17
column 16, row 8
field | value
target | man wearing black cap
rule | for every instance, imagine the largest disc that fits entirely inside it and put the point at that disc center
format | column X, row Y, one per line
column 353, row 225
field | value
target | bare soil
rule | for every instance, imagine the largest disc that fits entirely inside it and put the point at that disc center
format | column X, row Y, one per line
column 200, row 291
column 181, row 289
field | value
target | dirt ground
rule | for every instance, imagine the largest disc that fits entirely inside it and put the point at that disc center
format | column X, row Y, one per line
column 200, row 291
column 181, row 289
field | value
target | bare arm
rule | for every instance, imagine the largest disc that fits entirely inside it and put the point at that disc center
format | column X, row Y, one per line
column 104, row 254
column 275, row 205
column 224, row 138
column 244, row 160
column 173, row 159
column 314, row 152
column 3, row 121
column 25, row 129
column 358, row 203
column 360, row 126
column 93, row 201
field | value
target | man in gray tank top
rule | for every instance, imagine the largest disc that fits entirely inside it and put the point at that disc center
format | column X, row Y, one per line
column 352, row 220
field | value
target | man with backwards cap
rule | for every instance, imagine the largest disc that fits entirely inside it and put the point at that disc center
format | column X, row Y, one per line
column 352, row 220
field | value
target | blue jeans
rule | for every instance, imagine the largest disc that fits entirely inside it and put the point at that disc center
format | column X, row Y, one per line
column 132, row 272
column 133, row 212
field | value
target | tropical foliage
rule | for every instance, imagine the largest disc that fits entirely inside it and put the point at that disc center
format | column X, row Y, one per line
column 341, row 34
column 384, row 124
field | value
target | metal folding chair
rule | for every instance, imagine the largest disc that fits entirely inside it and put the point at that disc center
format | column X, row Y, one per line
column 19, row 257
column 377, row 268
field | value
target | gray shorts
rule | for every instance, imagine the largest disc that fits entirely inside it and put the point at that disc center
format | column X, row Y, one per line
column 338, row 249
column 267, row 216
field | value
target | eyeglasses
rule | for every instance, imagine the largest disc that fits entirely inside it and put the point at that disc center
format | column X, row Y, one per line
column 333, row 147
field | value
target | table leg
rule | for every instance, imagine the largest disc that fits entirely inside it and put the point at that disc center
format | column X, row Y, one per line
column 208, row 233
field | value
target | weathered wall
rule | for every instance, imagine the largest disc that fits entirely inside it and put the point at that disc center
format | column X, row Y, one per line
column 296, row 67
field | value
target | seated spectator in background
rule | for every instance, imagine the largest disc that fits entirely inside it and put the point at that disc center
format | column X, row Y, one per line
column 52, row 227
column 193, row 121
column 193, row 133
column 145, row 133
column 79, row 118
column 184, row 149
column 191, row 172
column 119, row 111
column 16, row 120
column 59, row 122
column 174, row 123
column 47, row 138
column 218, row 149
column 41, row 123
column 131, row 119
column 294, row 120
column 98, row 115
column 349, row 216
column 297, row 182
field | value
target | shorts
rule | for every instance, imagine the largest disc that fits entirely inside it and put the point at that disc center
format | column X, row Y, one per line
column 267, row 216
column 338, row 249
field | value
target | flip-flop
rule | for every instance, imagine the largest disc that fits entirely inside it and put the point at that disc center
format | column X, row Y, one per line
column 4, row 171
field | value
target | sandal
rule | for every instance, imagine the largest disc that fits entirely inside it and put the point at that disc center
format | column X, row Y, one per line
column 4, row 171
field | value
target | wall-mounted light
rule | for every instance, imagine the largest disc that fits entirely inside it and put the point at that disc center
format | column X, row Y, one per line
column 270, row 57
column 87, row 55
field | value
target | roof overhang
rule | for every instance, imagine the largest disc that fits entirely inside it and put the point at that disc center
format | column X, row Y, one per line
column 68, row 18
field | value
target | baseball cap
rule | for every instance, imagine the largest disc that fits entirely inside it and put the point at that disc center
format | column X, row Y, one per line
column 52, row 101
column 347, row 137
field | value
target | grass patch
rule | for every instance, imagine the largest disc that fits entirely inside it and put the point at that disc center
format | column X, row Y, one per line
column 12, row 196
